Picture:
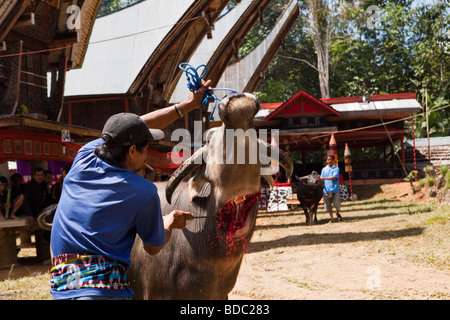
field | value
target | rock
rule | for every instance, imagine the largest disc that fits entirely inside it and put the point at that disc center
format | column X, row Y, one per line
column 440, row 182
column 433, row 193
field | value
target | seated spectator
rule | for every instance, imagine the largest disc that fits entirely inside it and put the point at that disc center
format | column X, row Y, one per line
column 12, row 205
column 37, row 196
column 18, row 193
column 57, row 187
column 16, row 183
column 48, row 178
column 3, row 196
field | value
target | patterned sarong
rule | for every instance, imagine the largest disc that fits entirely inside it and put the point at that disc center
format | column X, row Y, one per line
column 75, row 271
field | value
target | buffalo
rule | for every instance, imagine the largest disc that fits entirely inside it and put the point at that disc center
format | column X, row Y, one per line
column 309, row 193
column 202, row 260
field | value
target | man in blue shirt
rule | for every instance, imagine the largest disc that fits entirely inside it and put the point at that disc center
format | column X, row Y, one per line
column 104, row 204
column 330, row 176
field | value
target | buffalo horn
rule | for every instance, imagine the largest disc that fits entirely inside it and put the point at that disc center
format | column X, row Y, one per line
column 269, row 180
column 186, row 168
column 301, row 179
column 283, row 158
column 45, row 218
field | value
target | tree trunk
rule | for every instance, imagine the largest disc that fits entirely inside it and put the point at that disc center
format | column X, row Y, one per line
column 322, row 35
column 322, row 66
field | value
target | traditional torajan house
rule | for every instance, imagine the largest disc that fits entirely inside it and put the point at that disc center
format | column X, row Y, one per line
column 31, row 142
column 246, row 74
column 133, row 66
column 306, row 123
column 36, row 38
column 39, row 38
column 376, row 120
column 216, row 53
column 132, row 61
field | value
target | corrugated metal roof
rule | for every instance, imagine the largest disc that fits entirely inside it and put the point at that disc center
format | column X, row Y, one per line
column 110, row 66
column 238, row 75
column 262, row 113
column 434, row 141
column 6, row 7
column 373, row 107
column 10, row 11
column 207, row 47
column 88, row 14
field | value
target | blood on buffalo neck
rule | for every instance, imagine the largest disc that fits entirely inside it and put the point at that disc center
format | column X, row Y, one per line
column 233, row 217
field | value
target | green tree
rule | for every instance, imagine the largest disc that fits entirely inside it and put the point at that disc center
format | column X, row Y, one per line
column 110, row 6
column 438, row 121
column 431, row 47
column 378, row 55
column 407, row 51
column 285, row 75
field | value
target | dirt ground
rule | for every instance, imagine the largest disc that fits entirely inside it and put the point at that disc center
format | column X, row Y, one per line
column 372, row 254
column 385, row 248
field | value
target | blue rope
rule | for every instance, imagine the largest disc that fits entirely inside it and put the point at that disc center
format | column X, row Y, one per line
column 194, row 80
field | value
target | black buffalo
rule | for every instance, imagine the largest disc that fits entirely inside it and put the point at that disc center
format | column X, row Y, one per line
column 202, row 260
column 309, row 193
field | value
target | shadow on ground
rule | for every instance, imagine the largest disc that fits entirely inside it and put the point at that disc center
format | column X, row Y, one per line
column 330, row 238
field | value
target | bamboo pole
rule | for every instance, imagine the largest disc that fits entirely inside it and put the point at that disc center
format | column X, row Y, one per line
column 428, row 129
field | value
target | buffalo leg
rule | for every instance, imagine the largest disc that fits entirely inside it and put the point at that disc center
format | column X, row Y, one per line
column 314, row 210
column 308, row 220
column 311, row 221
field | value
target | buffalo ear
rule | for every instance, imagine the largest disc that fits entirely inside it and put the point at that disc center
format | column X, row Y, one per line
column 198, row 188
column 185, row 169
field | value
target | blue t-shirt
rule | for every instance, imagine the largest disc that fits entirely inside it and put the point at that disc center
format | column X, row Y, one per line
column 330, row 185
column 101, row 209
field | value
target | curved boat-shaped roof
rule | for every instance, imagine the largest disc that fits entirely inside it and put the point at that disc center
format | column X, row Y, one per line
column 140, row 44
column 225, row 27
column 245, row 75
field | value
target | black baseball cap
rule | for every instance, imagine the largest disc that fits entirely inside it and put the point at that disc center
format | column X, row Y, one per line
column 126, row 129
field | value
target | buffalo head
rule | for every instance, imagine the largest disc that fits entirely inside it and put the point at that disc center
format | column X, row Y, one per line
column 311, row 179
column 220, row 184
column 231, row 160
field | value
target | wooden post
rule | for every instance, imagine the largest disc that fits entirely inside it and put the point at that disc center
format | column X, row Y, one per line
column 304, row 163
column 428, row 131
column 19, row 70
column 274, row 141
column 403, row 152
column 42, row 245
column 62, row 79
column 8, row 251
column 323, row 148
column 392, row 154
column 69, row 111
column 127, row 106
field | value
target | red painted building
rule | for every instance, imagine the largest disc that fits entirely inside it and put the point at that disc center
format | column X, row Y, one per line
column 306, row 124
